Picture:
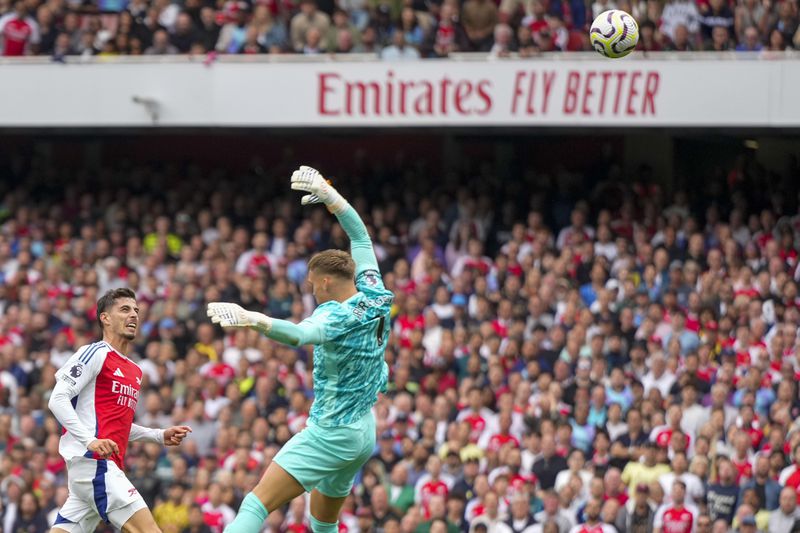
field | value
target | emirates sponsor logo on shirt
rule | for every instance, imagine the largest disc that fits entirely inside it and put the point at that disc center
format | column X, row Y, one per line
column 128, row 394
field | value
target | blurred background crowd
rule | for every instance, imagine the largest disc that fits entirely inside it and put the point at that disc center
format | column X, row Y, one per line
column 569, row 350
column 392, row 29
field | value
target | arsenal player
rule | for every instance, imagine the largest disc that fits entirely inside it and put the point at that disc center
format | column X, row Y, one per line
column 95, row 400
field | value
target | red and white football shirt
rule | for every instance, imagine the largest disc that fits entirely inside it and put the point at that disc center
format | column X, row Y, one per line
column 672, row 519
column 104, row 387
column 17, row 33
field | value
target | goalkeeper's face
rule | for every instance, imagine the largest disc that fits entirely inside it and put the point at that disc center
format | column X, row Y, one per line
column 320, row 286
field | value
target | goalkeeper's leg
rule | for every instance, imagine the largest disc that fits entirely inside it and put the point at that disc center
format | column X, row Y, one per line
column 325, row 512
column 275, row 489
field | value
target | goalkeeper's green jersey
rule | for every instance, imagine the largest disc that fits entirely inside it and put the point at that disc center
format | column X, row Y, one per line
column 349, row 366
column 349, row 338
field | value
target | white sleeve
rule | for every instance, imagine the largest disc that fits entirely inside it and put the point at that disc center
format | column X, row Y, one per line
column 658, row 521
column 418, row 488
column 141, row 433
column 36, row 35
column 79, row 370
column 4, row 20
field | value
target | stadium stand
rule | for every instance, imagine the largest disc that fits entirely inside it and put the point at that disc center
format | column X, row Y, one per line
column 391, row 29
column 595, row 351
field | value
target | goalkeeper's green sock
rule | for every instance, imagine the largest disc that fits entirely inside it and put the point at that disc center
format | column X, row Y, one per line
column 318, row 526
column 252, row 514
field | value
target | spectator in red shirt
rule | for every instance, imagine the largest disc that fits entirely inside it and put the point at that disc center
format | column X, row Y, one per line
column 593, row 523
column 675, row 517
column 503, row 436
column 19, row 32
column 433, row 483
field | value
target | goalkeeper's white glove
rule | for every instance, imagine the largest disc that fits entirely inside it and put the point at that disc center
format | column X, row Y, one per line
column 311, row 181
column 230, row 315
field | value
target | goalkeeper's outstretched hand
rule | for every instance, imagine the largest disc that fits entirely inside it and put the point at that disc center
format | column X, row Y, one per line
column 320, row 190
column 230, row 315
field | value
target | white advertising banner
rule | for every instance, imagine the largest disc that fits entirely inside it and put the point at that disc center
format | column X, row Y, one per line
column 509, row 93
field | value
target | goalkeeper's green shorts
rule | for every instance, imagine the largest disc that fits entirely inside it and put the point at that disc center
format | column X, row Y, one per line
column 328, row 459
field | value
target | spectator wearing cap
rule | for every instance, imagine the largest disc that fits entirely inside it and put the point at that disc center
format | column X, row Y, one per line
column 637, row 515
column 386, row 453
column 746, row 523
column 465, row 485
column 308, row 17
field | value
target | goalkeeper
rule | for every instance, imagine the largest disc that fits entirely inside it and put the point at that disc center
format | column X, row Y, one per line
column 349, row 330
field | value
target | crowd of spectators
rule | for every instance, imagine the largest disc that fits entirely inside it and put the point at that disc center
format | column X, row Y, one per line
column 594, row 357
column 392, row 29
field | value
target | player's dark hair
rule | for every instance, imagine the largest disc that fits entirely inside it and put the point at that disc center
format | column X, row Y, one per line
column 334, row 263
column 106, row 301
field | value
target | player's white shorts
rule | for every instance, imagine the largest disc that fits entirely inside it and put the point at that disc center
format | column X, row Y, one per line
column 98, row 490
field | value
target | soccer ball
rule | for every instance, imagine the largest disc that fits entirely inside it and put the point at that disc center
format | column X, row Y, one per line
column 614, row 33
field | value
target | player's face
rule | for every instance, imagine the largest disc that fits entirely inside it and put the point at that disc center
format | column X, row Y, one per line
column 319, row 287
column 123, row 318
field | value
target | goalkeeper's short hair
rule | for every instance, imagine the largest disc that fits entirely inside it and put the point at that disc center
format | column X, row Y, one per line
column 334, row 263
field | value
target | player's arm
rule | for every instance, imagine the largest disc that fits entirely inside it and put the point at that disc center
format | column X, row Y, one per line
column 311, row 181
column 309, row 331
column 168, row 437
column 81, row 369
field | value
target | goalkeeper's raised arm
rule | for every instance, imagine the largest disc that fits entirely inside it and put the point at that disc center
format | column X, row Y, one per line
column 334, row 275
column 309, row 180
